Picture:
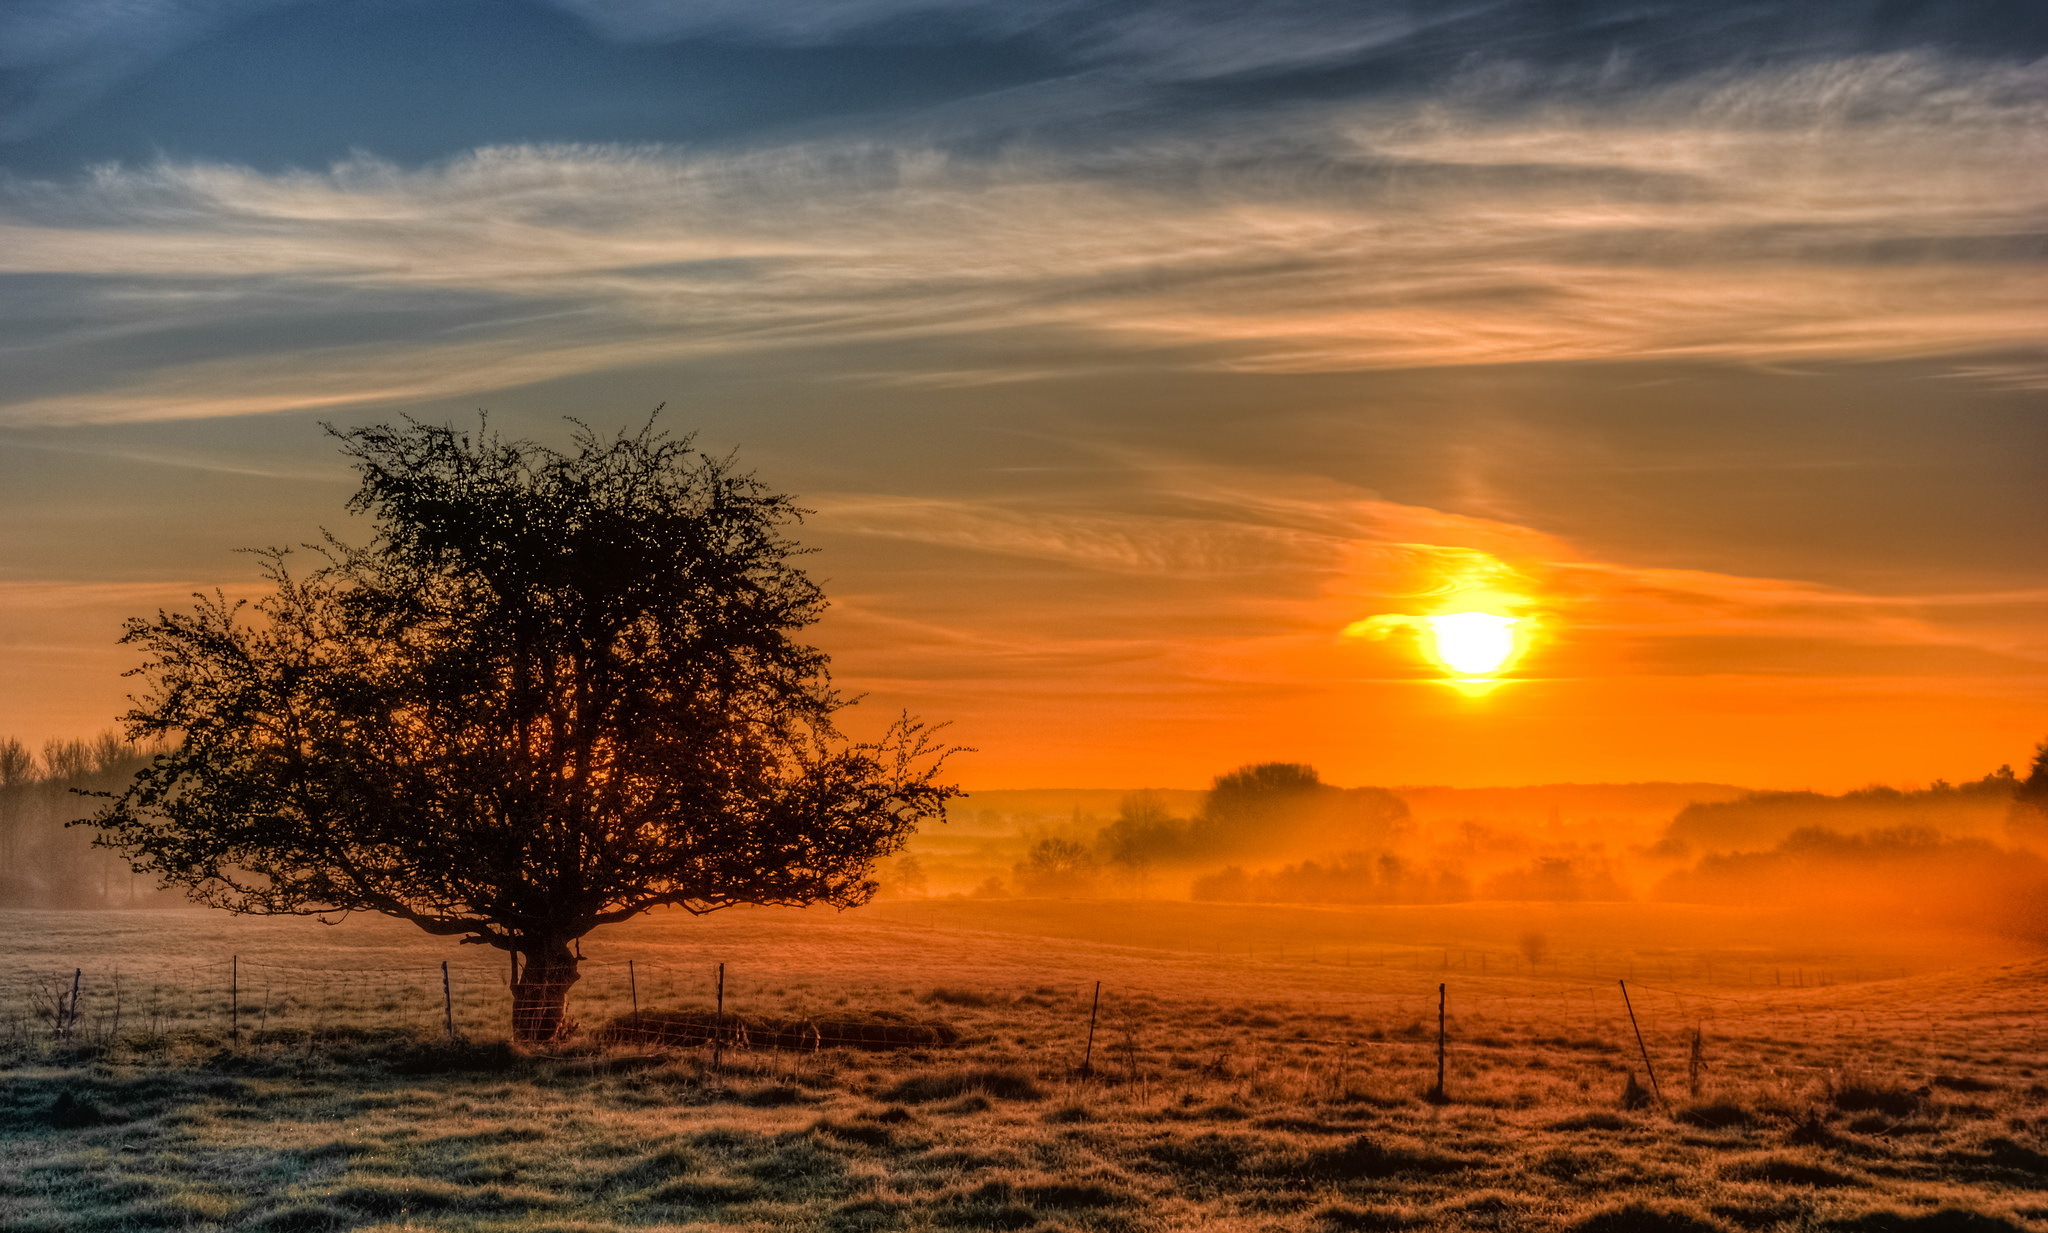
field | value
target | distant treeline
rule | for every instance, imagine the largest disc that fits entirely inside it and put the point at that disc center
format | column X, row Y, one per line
column 1974, row 853
column 1260, row 810
column 44, row 863
column 1981, row 807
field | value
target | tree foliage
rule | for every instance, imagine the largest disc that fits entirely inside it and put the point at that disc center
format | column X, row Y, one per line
column 1262, row 809
column 554, row 690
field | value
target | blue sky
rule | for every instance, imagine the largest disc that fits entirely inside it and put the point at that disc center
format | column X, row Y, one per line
column 1119, row 347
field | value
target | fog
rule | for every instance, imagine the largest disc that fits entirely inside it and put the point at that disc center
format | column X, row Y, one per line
column 44, row 861
column 1973, row 854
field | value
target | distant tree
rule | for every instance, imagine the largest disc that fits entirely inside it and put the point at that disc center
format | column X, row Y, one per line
column 1056, row 867
column 17, row 775
column 1534, row 946
column 904, row 877
column 554, row 691
column 2033, row 790
column 1270, row 806
column 1144, row 832
column 2029, row 815
column 1251, row 802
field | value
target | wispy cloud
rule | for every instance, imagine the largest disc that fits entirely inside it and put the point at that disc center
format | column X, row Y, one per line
column 1205, row 573
column 1889, row 207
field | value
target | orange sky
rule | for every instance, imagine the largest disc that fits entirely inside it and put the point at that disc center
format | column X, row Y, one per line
column 1149, row 390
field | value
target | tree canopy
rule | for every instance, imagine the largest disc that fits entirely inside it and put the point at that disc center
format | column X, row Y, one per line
column 554, row 690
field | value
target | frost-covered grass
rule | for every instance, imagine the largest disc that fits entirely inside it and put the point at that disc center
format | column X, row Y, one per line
column 1270, row 1094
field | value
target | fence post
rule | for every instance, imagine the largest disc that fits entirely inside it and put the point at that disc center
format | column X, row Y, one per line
column 633, row 986
column 718, row 1021
column 1088, row 1056
column 447, row 1001
column 1652, row 1070
column 1438, row 1093
column 234, row 999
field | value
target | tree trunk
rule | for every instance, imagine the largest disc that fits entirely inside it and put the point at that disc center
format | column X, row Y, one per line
column 546, row 970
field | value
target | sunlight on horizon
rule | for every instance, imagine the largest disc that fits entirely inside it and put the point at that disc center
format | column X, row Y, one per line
column 1473, row 644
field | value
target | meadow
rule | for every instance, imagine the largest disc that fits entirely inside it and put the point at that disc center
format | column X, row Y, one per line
column 1251, row 1068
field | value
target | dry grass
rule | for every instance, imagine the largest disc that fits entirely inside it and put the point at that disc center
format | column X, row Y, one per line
column 1269, row 1094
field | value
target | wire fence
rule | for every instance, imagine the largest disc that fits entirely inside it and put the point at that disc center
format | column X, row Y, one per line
column 251, row 1000
column 254, row 1001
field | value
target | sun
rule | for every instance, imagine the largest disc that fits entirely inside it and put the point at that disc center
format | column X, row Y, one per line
column 1473, row 643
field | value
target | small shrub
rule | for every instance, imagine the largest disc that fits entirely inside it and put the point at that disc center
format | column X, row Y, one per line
column 69, row 1112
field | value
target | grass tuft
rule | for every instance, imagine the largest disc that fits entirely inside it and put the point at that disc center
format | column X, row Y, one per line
column 1946, row 1220
column 304, row 1218
column 1003, row 1084
column 1647, row 1218
column 1852, row 1095
column 1787, row 1171
column 1715, row 1115
column 1367, row 1158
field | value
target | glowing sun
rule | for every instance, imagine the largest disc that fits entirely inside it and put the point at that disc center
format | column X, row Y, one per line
column 1473, row 643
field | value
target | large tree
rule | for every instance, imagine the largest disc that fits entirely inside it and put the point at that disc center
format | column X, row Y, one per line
column 554, row 690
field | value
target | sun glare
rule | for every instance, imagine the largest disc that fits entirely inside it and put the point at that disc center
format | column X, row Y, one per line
column 1473, row 643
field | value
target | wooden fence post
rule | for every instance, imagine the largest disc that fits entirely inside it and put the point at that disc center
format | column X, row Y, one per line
column 1438, row 1093
column 718, row 1022
column 633, row 986
column 1088, row 1055
column 1640, row 1045
column 234, row 999
column 447, row 1001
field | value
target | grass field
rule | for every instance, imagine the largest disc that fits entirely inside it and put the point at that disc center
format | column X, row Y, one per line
column 1252, row 1068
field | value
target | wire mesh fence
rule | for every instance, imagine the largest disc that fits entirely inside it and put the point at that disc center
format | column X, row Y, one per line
column 246, row 999
column 254, row 1000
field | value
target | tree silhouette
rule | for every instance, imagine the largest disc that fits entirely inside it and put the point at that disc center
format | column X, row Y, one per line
column 2029, row 812
column 554, row 691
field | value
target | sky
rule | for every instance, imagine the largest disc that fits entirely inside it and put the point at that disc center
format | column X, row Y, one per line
column 1154, row 370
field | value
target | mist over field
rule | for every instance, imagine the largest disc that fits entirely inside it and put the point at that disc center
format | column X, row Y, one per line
column 1964, row 854
column 1969, row 855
